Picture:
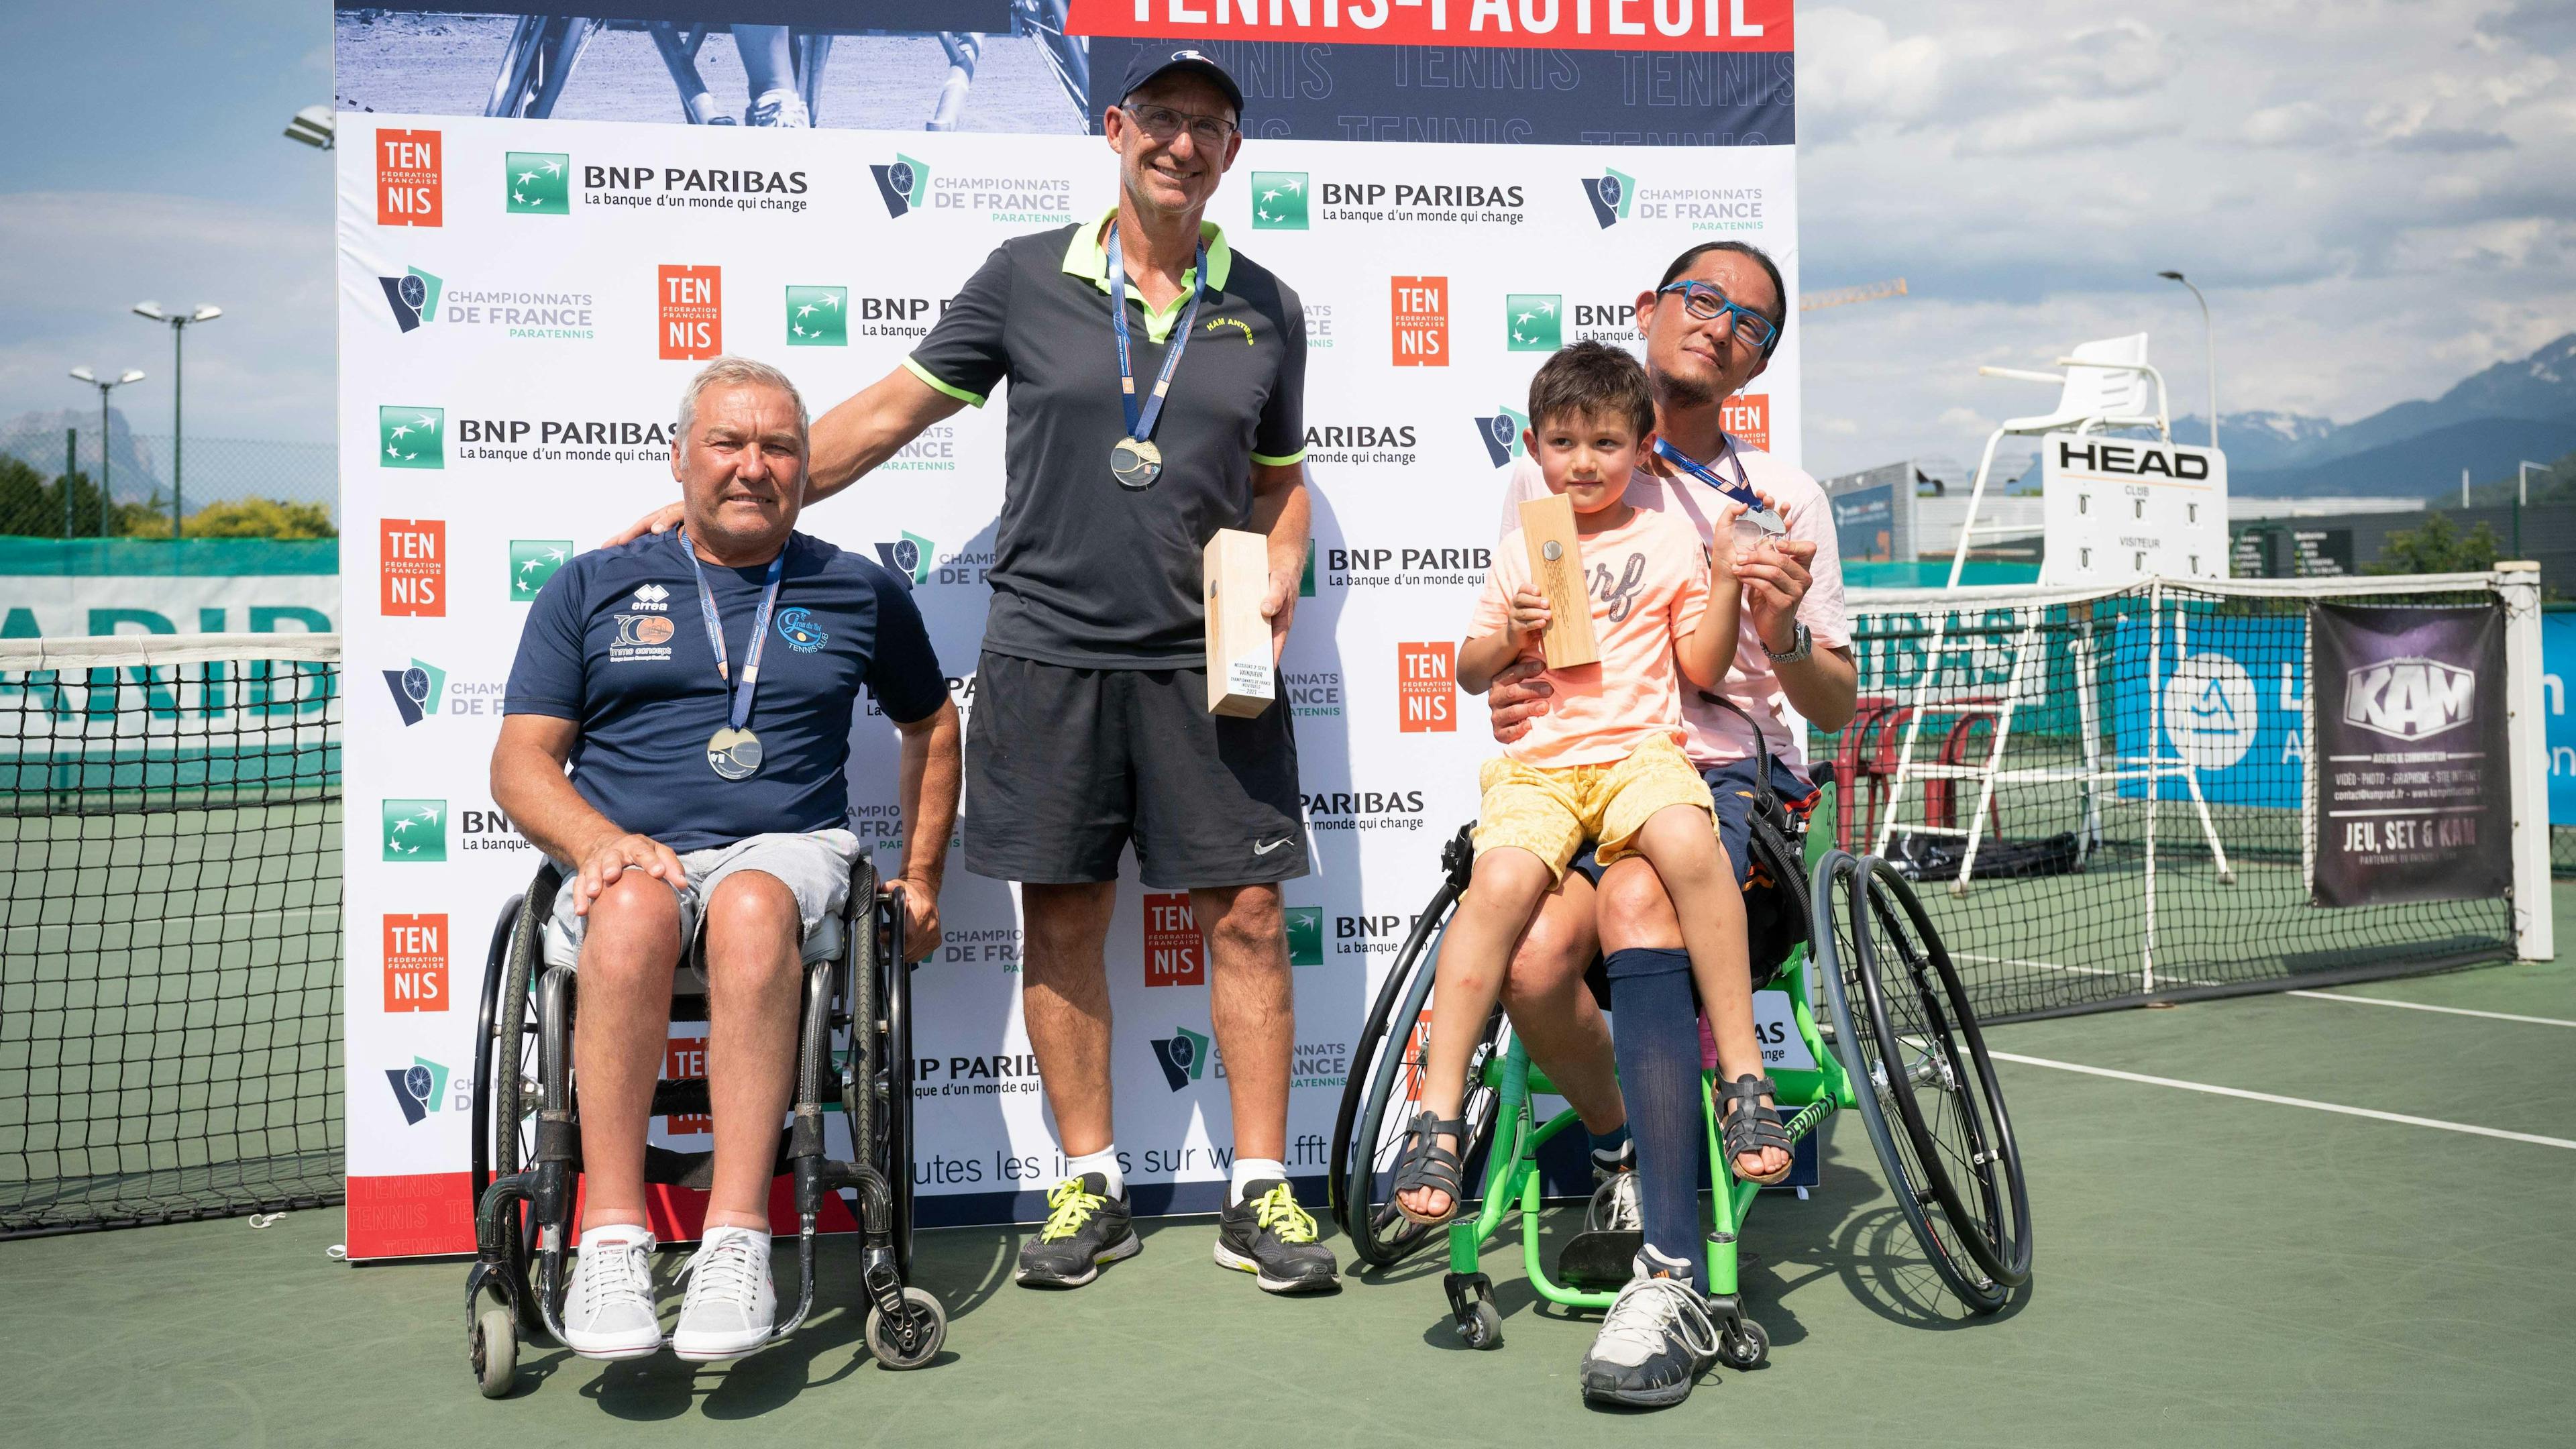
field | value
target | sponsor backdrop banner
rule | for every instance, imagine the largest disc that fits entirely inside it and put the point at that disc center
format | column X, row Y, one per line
column 521, row 299
column 2412, row 804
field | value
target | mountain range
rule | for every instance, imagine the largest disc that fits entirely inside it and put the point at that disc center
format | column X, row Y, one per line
column 2487, row 423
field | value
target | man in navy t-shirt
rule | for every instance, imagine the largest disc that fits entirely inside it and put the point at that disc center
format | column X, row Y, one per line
column 700, row 686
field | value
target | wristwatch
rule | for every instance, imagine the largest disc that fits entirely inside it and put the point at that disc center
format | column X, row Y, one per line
column 1804, row 646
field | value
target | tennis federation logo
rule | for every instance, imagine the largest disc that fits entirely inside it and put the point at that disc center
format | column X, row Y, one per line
column 533, row 561
column 411, row 437
column 416, row 831
column 538, row 183
column 1610, row 194
column 1278, row 201
column 1534, row 321
column 1183, row 1056
column 413, row 296
column 416, row 690
column 818, row 316
column 903, row 183
column 908, row 556
column 1502, row 434
column 418, row 1088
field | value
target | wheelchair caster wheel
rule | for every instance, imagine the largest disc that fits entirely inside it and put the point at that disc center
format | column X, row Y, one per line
column 1743, row 1346
column 1481, row 1325
column 927, row 1323
column 494, row 1346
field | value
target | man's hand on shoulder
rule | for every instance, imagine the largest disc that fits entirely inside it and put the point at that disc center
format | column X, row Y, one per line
column 660, row 520
column 1516, row 697
column 920, row 916
column 604, row 864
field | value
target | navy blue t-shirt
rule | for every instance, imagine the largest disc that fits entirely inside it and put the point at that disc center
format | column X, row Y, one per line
column 616, row 642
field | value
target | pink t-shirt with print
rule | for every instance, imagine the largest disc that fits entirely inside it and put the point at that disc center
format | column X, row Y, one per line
column 1711, row 736
column 1649, row 584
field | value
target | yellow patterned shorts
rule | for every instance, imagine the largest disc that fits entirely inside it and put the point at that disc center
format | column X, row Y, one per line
column 1551, row 812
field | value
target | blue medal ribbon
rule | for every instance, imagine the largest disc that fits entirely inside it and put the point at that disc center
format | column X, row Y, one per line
column 1755, row 510
column 1141, row 420
column 739, row 710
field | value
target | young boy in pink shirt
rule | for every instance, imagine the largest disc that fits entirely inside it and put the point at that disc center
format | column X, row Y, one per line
column 1605, row 762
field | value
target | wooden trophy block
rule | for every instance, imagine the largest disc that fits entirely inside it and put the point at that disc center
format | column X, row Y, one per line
column 1556, row 570
column 1237, row 570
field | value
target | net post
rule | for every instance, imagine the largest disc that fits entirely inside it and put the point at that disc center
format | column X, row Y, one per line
column 2534, row 928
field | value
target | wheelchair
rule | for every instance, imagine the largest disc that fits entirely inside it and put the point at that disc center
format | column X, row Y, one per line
column 527, row 1130
column 1899, row 1045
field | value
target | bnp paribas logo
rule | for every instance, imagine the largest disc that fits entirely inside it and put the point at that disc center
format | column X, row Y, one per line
column 1305, row 935
column 539, row 183
column 1278, row 201
column 902, row 182
column 411, row 437
column 532, row 562
column 416, row 690
column 818, row 316
column 1502, row 434
column 1533, row 321
column 416, row 831
column 908, row 556
column 1183, row 1056
column 1610, row 194
column 413, row 296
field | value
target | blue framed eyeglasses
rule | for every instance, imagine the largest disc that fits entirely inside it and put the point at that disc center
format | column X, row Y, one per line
column 1707, row 303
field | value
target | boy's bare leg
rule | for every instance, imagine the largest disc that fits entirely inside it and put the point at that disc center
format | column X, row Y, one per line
column 1553, row 1013
column 1473, row 956
column 1684, row 850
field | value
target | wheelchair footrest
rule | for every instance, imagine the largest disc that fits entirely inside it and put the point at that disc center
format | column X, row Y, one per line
column 1598, row 1262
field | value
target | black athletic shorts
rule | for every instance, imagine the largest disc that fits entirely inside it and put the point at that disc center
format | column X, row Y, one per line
column 1066, row 766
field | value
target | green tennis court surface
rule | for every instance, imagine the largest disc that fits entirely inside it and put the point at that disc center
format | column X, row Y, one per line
column 2210, row 1270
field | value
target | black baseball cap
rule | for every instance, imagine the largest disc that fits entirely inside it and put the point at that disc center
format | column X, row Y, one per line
column 1151, row 61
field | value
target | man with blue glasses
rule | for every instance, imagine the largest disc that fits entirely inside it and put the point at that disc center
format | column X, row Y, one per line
column 1711, row 326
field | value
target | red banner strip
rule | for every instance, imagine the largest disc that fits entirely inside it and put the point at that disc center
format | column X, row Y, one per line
column 1646, row 25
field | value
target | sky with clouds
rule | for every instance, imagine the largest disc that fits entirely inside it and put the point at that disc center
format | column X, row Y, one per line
column 2377, row 197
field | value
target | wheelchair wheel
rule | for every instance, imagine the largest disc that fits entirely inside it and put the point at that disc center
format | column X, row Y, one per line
column 1380, row 1095
column 495, row 1350
column 876, row 1088
column 506, row 1060
column 1925, row 1086
column 927, row 1323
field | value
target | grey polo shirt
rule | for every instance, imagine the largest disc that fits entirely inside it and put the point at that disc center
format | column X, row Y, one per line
column 1087, row 573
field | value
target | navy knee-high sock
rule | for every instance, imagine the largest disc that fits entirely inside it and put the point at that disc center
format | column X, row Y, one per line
column 1655, row 1036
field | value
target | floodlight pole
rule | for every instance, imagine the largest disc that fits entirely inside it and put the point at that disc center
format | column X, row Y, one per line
column 2209, row 346
column 71, row 456
column 151, row 311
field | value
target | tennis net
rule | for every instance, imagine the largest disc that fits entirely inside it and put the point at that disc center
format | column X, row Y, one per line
column 2148, row 829
column 170, row 1030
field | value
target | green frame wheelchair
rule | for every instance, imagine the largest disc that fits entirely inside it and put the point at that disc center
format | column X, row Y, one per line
column 1898, row 1045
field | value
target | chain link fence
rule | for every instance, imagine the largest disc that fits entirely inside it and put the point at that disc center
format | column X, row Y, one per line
column 60, row 482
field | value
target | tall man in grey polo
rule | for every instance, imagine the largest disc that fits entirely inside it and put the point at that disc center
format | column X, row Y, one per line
column 1091, row 730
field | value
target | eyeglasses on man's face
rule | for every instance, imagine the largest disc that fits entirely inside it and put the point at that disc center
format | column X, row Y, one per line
column 1706, row 302
column 1163, row 123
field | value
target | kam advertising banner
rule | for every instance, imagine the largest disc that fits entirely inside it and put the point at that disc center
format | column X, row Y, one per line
column 2413, row 801
column 1454, row 190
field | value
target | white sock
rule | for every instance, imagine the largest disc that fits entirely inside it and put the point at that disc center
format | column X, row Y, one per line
column 617, row 1232
column 1249, row 1170
column 1104, row 1162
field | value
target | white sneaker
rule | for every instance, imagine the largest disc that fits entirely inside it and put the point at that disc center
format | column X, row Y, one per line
column 1614, row 1206
column 776, row 108
column 731, row 1308
column 608, row 1308
column 1655, row 1341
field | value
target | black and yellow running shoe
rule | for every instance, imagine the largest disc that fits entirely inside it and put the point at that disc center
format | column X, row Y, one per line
column 1270, row 1237
column 1085, row 1228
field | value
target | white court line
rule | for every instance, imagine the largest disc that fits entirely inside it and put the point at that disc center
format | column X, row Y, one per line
column 2427, row 1006
column 2241, row 1093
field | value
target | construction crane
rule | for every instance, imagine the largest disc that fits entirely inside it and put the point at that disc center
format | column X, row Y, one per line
column 1845, row 296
